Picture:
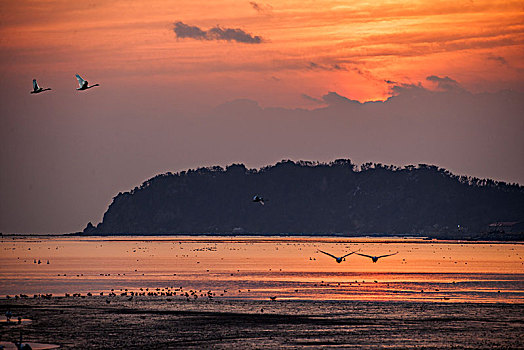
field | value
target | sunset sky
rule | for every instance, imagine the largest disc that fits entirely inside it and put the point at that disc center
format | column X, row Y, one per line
column 185, row 84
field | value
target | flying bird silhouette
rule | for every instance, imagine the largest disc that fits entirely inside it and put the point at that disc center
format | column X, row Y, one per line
column 338, row 259
column 258, row 199
column 84, row 85
column 375, row 258
column 37, row 89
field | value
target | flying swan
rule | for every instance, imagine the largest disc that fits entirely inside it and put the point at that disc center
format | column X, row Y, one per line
column 84, row 85
column 37, row 89
column 375, row 258
column 338, row 259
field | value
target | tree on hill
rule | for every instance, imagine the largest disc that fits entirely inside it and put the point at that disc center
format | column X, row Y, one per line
column 313, row 198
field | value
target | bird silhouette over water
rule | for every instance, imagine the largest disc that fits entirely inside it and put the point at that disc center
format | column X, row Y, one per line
column 259, row 199
column 338, row 259
column 37, row 89
column 84, row 85
column 375, row 258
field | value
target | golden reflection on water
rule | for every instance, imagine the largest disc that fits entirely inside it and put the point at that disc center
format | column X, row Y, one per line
column 259, row 267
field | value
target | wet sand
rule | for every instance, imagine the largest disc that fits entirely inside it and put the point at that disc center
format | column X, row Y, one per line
column 188, row 293
column 170, row 323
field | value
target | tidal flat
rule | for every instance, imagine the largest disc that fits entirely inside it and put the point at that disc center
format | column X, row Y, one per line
column 164, row 323
column 259, row 292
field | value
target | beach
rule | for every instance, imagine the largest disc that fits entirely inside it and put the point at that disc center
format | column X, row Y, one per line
column 258, row 292
column 170, row 323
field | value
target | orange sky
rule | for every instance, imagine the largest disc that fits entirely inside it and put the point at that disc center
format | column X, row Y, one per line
column 164, row 66
column 308, row 47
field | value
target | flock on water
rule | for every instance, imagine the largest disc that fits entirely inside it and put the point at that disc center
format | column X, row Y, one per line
column 82, row 85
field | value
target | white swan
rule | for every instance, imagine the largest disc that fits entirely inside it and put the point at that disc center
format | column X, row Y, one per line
column 37, row 89
column 258, row 199
column 84, row 85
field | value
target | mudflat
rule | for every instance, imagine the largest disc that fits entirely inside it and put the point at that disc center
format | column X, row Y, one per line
column 170, row 323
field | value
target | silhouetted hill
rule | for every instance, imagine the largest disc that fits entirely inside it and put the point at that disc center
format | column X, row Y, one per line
column 313, row 198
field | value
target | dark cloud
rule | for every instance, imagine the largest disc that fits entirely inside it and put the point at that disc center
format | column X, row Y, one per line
column 312, row 99
column 401, row 88
column 261, row 8
column 465, row 132
column 183, row 30
column 230, row 34
column 446, row 83
column 328, row 67
column 332, row 98
column 255, row 6
column 498, row 59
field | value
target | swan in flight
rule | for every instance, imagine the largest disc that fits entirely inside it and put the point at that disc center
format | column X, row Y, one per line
column 338, row 259
column 37, row 89
column 375, row 258
column 84, row 84
column 258, row 199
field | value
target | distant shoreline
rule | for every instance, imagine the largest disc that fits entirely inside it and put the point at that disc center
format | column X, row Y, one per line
column 380, row 238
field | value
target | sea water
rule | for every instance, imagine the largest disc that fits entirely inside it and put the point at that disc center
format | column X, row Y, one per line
column 257, row 268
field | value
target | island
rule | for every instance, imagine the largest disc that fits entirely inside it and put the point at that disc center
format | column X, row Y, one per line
column 312, row 198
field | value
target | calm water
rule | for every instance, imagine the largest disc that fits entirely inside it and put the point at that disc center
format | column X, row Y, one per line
column 257, row 268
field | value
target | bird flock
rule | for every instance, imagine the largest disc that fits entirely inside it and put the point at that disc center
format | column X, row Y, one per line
column 82, row 85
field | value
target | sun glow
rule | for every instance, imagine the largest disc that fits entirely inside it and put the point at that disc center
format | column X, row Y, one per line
column 335, row 44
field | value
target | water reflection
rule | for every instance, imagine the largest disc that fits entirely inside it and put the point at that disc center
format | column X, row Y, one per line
column 257, row 268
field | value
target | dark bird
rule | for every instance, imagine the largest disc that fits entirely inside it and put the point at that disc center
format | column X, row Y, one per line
column 84, row 85
column 258, row 199
column 338, row 259
column 37, row 89
column 375, row 258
